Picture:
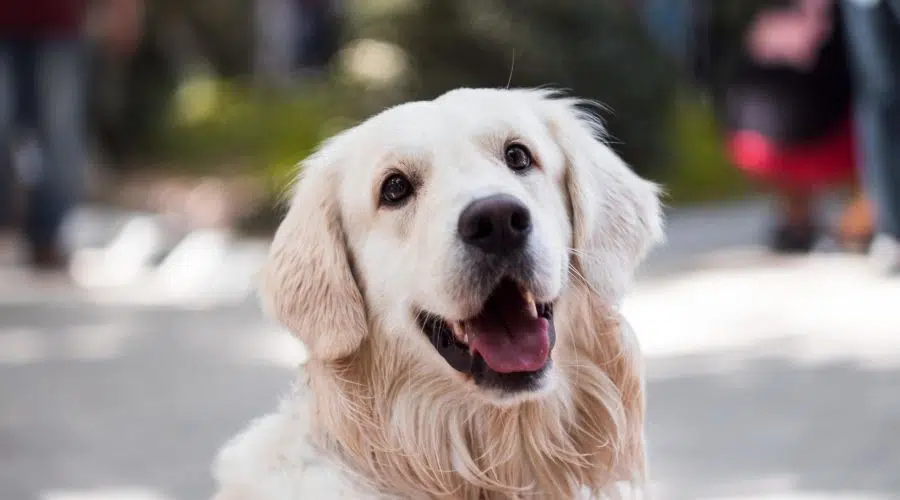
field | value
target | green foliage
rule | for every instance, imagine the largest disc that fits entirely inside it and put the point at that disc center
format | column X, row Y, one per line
column 699, row 169
column 215, row 125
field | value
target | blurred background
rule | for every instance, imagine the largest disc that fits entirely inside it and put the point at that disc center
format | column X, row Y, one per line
column 146, row 148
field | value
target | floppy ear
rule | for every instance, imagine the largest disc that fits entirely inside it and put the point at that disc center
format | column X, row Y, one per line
column 616, row 215
column 308, row 284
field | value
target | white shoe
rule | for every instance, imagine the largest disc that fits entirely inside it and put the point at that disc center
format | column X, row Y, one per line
column 884, row 254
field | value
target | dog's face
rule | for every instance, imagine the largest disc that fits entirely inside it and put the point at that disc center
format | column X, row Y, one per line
column 456, row 225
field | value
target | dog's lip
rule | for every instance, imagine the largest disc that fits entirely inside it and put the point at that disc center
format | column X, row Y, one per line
column 477, row 308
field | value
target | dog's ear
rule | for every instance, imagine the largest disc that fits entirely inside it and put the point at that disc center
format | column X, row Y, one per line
column 616, row 215
column 308, row 283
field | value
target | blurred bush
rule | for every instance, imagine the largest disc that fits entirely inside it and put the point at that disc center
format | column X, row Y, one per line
column 698, row 170
column 130, row 98
column 217, row 124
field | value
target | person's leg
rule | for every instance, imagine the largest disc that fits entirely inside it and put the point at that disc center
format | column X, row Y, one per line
column 796, row 230
column 873, row 38
column 7, row 119
column 855, row 226
column 61, row 101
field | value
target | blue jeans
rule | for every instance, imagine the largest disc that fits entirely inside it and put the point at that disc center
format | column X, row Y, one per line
column 42, row 91
column 873, row 40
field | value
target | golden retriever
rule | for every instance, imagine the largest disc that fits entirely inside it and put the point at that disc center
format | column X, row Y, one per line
column 454, row 268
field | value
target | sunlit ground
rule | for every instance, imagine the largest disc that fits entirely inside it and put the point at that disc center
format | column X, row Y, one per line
column 768, row 379
column 774, row 381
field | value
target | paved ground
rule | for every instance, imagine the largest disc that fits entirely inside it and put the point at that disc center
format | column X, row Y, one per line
column 768, row 378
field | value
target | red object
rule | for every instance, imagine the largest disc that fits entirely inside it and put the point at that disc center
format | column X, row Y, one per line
column 41, row 18
column 821, row 163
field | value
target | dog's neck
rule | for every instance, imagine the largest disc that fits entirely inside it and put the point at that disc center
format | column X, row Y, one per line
column 411, row 433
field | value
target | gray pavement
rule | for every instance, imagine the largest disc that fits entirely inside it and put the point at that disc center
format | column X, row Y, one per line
column 769, row 378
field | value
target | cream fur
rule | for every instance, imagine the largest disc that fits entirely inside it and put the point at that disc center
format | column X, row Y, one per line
column 382, row 411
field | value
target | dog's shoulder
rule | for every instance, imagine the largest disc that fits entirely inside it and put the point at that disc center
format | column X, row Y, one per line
column 274, row 459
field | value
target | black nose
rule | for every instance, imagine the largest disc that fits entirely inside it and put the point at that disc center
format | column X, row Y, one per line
column 497, row 224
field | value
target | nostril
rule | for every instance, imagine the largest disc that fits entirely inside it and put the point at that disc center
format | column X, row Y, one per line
column 520, row 221
column 475, row 227
column 482, row 228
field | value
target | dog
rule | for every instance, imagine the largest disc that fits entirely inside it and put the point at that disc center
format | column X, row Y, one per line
column 454, row 268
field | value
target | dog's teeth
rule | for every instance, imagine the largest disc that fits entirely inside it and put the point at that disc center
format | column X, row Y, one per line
column 530, row 304
column 460, row 333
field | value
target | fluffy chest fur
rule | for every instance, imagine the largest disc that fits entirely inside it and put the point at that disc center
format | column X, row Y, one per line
column 372, row 426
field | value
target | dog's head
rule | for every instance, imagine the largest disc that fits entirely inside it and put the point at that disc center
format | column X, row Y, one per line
column 456, row 225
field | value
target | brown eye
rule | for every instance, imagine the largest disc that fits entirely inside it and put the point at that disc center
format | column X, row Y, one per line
column 395, row 190
column 518, row 158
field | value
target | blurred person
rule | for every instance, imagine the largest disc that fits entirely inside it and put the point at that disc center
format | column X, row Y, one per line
column 279, row 29
column 786, row 103
column 43, row 68
column 294, row 36
column 873, row 38
column 320, row 40
column 789, row 117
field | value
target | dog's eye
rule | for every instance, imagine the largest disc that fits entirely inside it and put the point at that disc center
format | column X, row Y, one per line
column 395, row 190
column 518, row 157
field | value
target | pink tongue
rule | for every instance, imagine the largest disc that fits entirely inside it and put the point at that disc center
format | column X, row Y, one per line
column 509, row 338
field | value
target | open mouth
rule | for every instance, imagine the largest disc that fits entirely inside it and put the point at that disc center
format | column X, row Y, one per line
column 507, row 344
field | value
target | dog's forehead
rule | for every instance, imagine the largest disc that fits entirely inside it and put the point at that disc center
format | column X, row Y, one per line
column 451, row 121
